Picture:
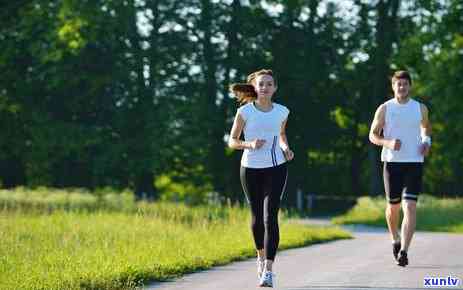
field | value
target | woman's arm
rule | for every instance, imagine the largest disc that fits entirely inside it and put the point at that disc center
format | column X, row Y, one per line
column 289, row 154
column 234, row 141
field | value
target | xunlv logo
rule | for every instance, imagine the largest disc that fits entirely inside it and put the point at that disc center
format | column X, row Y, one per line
column 441, row 282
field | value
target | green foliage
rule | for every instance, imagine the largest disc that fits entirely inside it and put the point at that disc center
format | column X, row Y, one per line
column 185, row 191
column 433, row 214
column 44, row 200
column 124, row 93
column 341, row 119
column 70, row 34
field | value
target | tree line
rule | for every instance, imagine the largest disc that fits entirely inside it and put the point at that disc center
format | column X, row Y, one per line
column 134, row 93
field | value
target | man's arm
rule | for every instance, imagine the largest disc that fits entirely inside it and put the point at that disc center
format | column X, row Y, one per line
column 425, row 123
column 377, row 126
column 425, row 130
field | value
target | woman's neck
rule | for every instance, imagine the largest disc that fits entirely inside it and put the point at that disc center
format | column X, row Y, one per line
column 263, row 104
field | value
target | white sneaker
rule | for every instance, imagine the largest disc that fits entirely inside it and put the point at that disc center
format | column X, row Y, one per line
column 260, row 267
column 267, row 279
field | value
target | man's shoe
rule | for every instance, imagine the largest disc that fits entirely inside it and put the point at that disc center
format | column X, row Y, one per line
column 402, row 260
column 396, row 249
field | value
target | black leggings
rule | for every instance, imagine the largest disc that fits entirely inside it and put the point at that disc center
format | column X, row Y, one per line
column 264, row 189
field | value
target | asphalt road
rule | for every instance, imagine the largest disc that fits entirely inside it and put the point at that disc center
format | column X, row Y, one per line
column 364, row 262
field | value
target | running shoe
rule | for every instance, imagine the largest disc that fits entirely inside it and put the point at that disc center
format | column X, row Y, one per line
column 396, row 249
column 402, row 260
column 267, row 279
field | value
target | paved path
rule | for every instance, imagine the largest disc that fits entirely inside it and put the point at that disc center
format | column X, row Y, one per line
column 362, row 263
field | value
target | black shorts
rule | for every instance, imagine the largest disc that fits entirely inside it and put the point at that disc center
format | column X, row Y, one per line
column 402, row 179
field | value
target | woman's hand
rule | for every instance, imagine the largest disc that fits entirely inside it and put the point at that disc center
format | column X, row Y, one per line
column 289, row 154
column 257, row 143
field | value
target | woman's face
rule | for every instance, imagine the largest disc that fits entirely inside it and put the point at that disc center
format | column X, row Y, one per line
column 264, row 86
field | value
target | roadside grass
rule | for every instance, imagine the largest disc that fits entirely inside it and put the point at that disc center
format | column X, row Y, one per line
column 79, row 241
column 433, row 214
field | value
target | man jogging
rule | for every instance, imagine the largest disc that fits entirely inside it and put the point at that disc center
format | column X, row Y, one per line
column 406, row 140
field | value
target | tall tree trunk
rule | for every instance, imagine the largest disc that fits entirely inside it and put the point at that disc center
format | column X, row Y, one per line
column 144, row 186
column 144, row 173
column 232, row 179
column 12, row 172
column 215, row 115
column 355, row 162
column 299, row 141
column 385, row 30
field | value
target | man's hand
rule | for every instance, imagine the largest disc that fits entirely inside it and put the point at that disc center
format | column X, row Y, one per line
column 393, row 144
column 424, row 149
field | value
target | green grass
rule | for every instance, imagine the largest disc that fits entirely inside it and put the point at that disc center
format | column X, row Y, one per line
column 433, row 214
column 51, row 241
column 43, row 200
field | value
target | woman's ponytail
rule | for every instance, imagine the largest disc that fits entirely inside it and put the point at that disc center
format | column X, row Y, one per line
column 245, row 92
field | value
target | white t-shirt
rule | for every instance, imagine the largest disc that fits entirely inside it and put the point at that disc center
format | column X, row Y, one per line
column 403, row 122
column 267, row 126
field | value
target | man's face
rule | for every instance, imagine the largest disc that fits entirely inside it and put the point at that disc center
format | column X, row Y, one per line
column 401, row 88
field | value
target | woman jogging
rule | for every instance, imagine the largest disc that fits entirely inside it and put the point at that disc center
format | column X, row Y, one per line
column 263, row 170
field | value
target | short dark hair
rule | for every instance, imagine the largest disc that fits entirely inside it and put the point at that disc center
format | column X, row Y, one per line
column 401, row 74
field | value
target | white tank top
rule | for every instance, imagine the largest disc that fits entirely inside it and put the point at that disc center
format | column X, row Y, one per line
column 403, row 122
column 267, row 126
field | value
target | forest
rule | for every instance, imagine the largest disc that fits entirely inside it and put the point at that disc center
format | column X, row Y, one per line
column 135, row 93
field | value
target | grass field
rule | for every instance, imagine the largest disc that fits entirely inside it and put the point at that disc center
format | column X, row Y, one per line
column 433, row 214
column 76, row 240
